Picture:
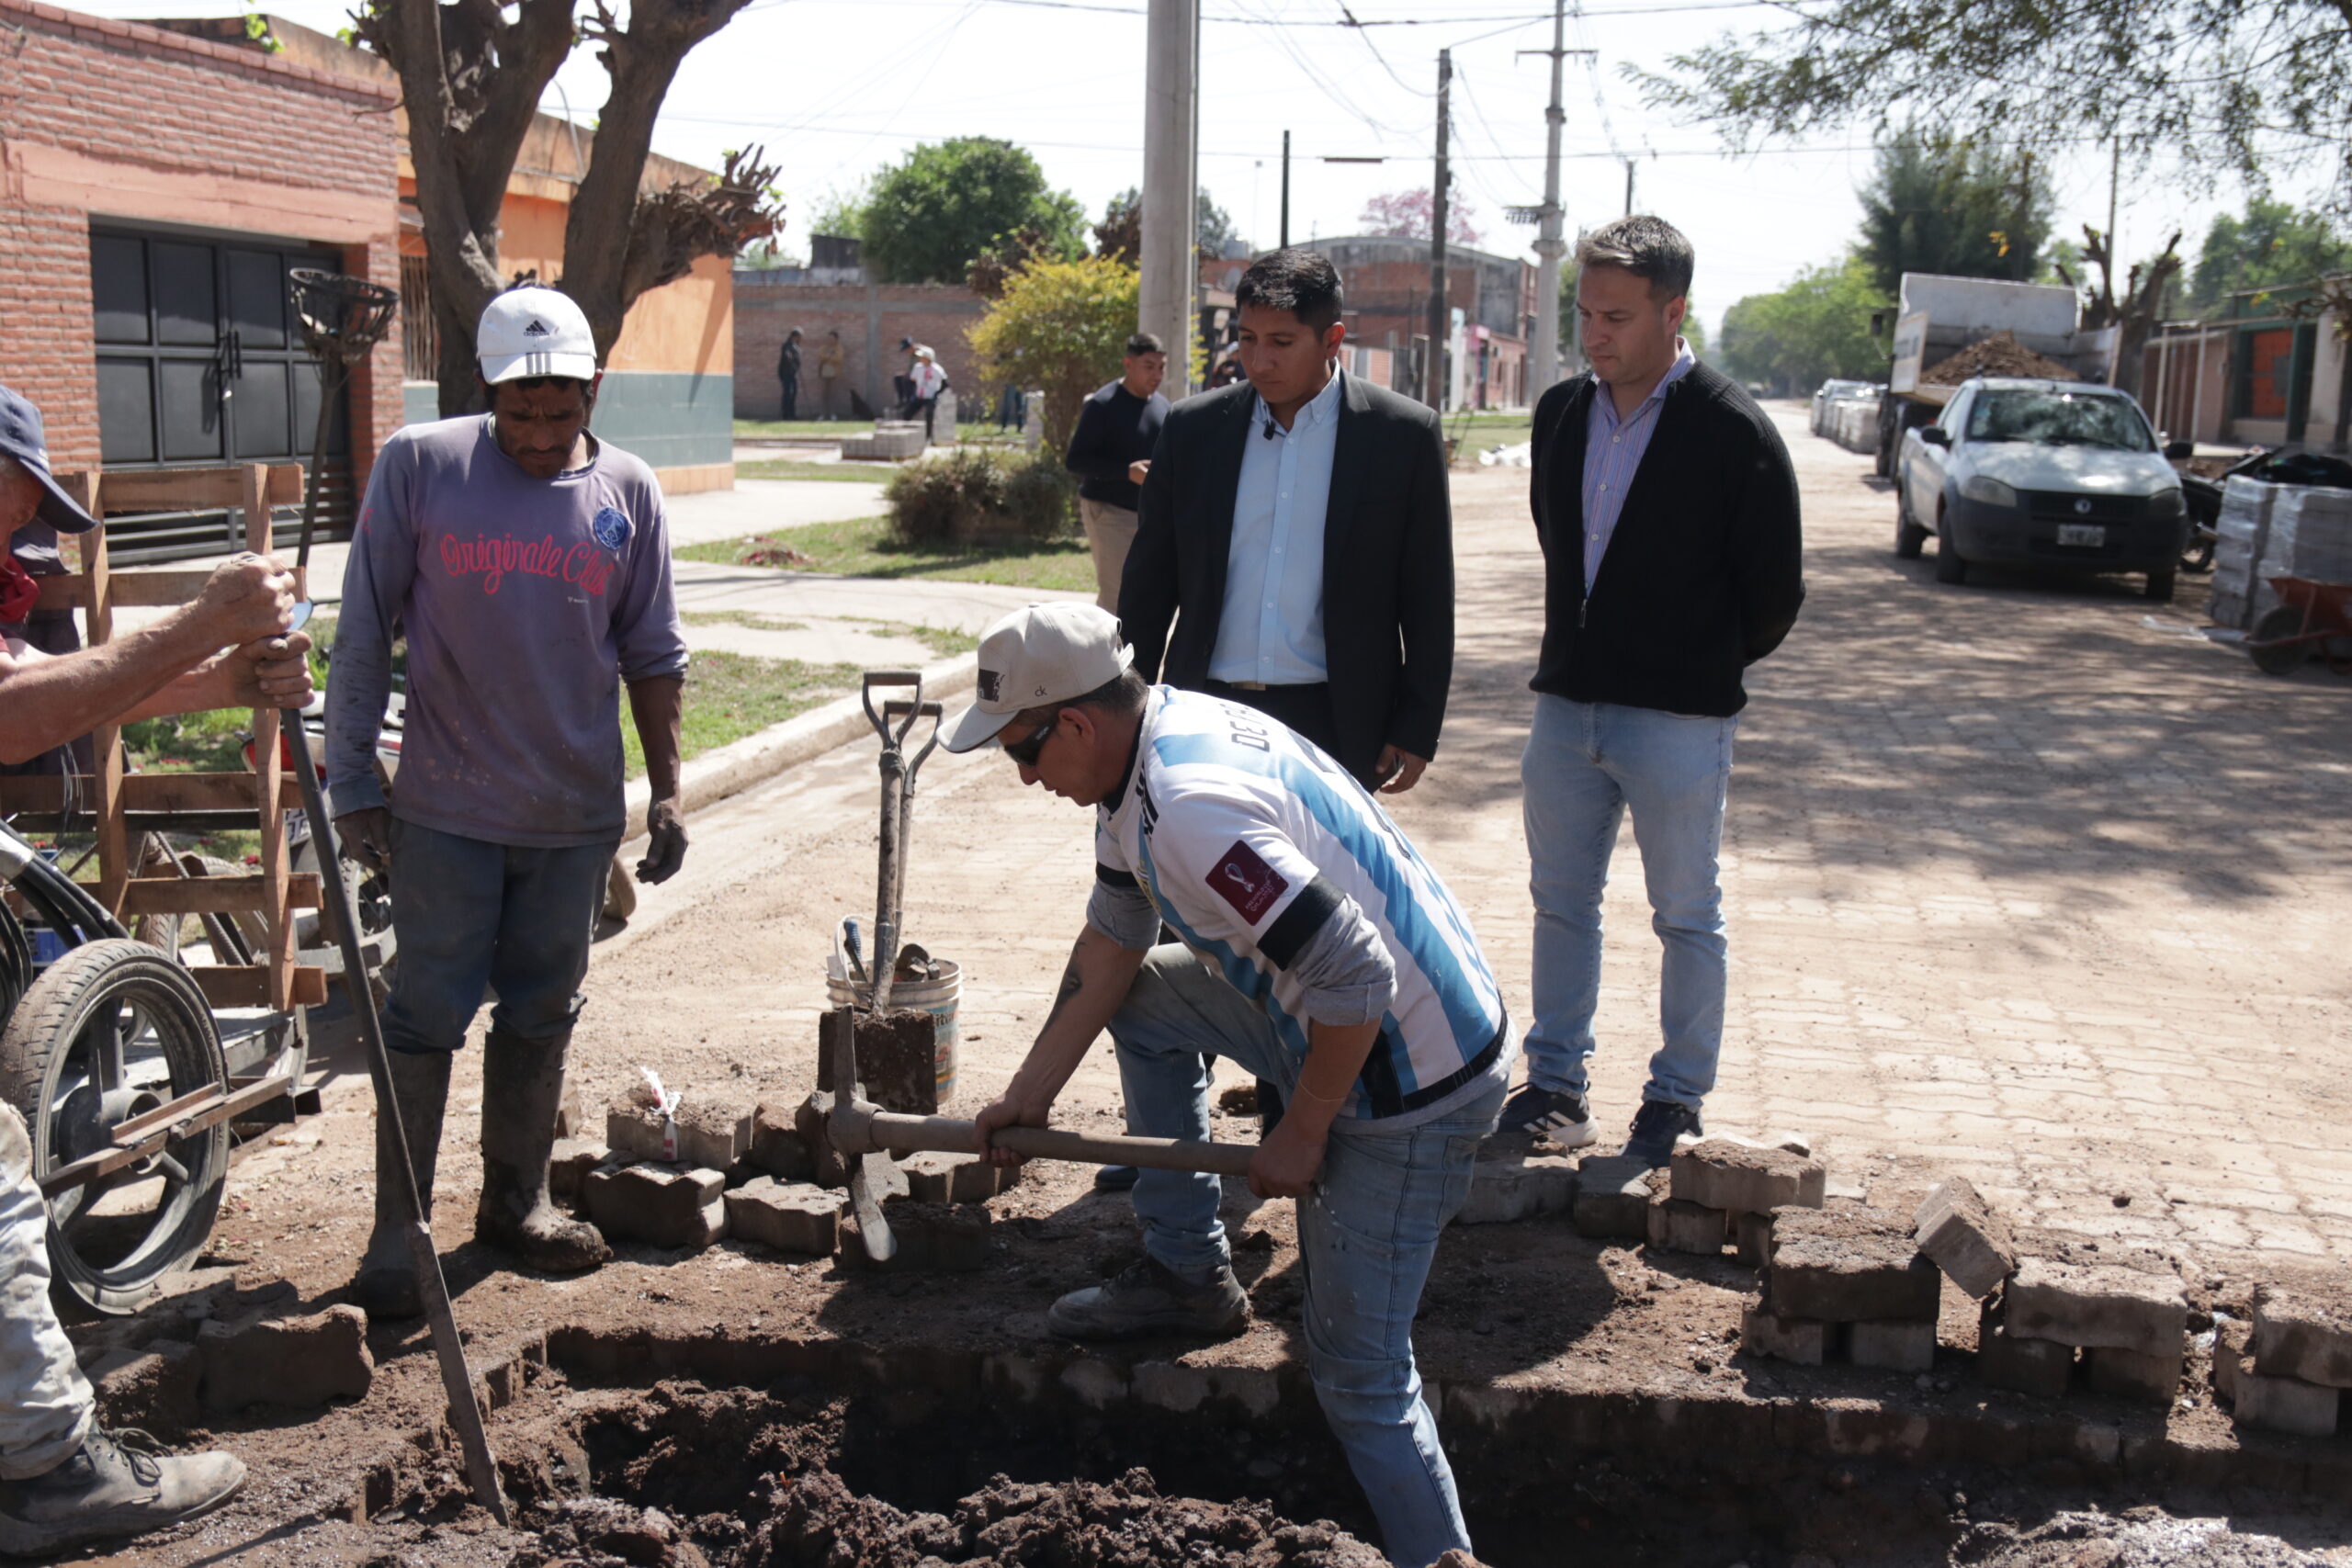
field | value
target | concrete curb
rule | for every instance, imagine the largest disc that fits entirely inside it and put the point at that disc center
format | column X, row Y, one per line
column 739, row 765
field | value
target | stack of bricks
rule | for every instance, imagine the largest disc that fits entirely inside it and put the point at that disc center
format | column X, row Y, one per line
column 663, row 1179
column 2124, row 1327
column 2298, row 1378
column 1724, row 1191
column 1845, row 1284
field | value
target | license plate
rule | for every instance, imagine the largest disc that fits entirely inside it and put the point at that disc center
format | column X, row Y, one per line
column 2090, row 535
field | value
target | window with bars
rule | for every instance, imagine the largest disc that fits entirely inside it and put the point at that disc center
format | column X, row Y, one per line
column 420, row 343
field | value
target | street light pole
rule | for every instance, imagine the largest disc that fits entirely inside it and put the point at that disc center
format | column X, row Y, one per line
column 1549, row 246
column 1170, row 207
column 1286, row 190
column 1434, row 373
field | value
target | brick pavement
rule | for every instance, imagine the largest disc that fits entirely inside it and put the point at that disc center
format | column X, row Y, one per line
column 2025, row 882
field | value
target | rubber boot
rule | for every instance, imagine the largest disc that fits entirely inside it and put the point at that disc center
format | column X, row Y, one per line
column 386, row 1283
column 522, row 1089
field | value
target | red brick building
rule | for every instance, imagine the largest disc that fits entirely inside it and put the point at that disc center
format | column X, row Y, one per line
column 154, row 188
column 871, row 318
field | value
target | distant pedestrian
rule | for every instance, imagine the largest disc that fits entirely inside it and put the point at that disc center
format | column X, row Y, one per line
column 788, row 371
column 1111, row 451
column 902, row 385
column 1667, row 509
column 830, row 357
column 927, row 381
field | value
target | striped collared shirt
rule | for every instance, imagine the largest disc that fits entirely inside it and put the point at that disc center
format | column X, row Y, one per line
column 1612, row 453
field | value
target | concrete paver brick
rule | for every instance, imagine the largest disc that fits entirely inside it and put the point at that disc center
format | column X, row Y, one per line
column 1523, row 1187
column 569, row 1164
column 2305, row 1333
column 1965, row 1238
column 1851, row 1279
column 637, row 1131
column 1900, row 1345
column 790, row 1217
column 299, row 1362
column 663, row 1205
column 2096, row 1305
column 936, row 1176
column 2127, row 1374
column 1806, row 1342
column 711, row 1134
column 1677, row 1224
column 1752, row 1234
column 2287, row 1405
column 933, row 1238
column 154, row 1389
column 2040, row 1367
column 777, row 1146
column 1745, row 1178
column 1612, row 1199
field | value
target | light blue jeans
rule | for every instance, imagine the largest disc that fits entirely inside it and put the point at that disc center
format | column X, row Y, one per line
column 1586, row 765
column 1366, row 1234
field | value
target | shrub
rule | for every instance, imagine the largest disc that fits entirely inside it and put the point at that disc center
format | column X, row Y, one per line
column 1059, row 327
column 978, row 496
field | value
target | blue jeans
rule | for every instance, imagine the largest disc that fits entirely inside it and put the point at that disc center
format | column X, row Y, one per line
column 1365, row 1236
column 470, row 915
column 1586, row 765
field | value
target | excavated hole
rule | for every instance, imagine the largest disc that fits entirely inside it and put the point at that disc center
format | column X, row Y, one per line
column 902, row 1474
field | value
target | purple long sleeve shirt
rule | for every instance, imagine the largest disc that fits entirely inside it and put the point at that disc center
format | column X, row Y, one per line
column 526, row 603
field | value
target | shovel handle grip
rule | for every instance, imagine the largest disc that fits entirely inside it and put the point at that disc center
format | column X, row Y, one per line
column 909, row 1134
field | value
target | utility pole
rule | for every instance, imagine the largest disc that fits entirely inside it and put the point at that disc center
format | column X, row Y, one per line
column 1629, row 187
column 1170, row 206
column 1434, row 373
column 1286, row 190
column 1549, row 246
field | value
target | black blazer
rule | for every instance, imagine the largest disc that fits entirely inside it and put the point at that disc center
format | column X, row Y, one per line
column 1706, row 569
column 1387, row 561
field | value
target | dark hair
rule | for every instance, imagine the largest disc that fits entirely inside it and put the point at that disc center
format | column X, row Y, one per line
column 540, row 383
column 1144, row 343
column 1298, row 280
column 1650, row 248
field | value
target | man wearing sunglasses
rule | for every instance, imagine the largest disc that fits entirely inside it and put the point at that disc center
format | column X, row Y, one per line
column 1319, row 951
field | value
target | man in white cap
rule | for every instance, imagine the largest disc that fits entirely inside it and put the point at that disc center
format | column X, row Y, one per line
column 528, row 565
column 1321, row 952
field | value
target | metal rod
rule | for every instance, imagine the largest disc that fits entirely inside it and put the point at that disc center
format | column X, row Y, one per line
column 909, row 1135
column 456, row 1378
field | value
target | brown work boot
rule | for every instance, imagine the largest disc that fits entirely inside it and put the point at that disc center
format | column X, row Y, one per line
column 386, row 1283
column 522, row 1089
column 1147, row 1299
column 115, row 1484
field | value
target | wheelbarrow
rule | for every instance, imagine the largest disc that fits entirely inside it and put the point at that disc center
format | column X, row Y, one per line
column 2311, row 618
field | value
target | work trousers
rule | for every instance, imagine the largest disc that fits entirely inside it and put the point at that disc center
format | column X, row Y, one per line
column 1110, row 534
column 1366, row 1233
column 791, row 396
column 470, row 915
column 1586, row 765
column 46, row 1405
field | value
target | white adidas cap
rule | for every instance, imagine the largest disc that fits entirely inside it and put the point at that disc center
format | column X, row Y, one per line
column 535, row 332
column 1034, row 658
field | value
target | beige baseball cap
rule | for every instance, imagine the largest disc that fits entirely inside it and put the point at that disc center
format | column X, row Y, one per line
column 1035, row 657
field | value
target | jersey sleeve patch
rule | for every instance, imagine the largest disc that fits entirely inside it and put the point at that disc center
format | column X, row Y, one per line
column 1242, row 878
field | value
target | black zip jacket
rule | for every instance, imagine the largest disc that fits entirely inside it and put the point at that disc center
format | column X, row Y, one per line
column 1704, row 572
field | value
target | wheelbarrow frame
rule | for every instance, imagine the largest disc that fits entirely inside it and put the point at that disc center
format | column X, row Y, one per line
column 2324, row 612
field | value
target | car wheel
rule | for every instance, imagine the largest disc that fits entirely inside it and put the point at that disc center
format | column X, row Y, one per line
column 1950, row 567
column 2160, row 586
column 1909, row 538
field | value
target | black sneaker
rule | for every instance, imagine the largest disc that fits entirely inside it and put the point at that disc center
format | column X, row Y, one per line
column 1562, row 1117
column 1656, row 1127
column 1147, row 1299
column 116, row 1483
column 1115, row 1178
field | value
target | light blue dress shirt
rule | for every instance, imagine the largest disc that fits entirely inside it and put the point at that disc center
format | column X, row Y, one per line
column 1272, row 629
column 1613, row 449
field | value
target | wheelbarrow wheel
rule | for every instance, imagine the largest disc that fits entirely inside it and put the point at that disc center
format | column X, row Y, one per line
column 2281, row 657
column 112, row 1030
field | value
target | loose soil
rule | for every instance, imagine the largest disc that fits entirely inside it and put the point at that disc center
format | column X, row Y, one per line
column 2000, row 355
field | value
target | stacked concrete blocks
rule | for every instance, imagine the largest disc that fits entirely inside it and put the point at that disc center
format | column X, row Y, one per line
column 2129, row 1324
column 787, row 1216
column 1518, row 1185
column 1845, row 1284
column 934, row 1177
column 2301, row 1363
column 1613, row 1197
column 663, row 1205
column 1724, row 1190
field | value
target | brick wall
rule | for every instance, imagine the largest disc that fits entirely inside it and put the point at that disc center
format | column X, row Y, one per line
column 871, row 319
column 132, row 123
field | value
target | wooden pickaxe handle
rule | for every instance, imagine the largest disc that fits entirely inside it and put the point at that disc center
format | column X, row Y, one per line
column 907, row 1135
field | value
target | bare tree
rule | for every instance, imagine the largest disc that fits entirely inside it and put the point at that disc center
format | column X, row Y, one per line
column 2136, row 311
column 471, row 74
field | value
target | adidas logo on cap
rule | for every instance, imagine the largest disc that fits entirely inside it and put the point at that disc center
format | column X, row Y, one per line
column 537, row 329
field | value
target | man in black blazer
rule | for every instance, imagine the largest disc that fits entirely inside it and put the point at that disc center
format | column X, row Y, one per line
column 1296, row 529
column 1667, row 508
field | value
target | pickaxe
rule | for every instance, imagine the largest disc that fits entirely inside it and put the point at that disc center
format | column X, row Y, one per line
column 864, row 1134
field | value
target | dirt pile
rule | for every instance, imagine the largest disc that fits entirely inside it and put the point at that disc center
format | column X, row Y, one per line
column 2000, row 355
column 820, row 1523
column 2143, row 1537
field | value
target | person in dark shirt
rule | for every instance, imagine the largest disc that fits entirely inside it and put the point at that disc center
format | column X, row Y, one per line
column 1109, row 452
column 788, row 371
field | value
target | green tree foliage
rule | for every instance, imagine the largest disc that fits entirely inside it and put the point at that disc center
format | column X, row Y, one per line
column 1120, row 232
column 2272, row 244
column 2221, row 84
column 1819, row 326
column 928, row 219
column 1959, row 207
column 1694, row 332
column 1059, row 326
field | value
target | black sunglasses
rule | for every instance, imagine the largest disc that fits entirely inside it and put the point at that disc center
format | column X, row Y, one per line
column 1027, row 750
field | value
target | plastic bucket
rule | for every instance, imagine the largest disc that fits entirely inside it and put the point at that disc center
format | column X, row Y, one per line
column 938, row 997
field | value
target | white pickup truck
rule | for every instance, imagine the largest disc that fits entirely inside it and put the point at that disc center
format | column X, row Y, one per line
column 2041, row 474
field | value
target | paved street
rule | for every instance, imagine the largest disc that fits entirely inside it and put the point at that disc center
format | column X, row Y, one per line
column 2025, row 881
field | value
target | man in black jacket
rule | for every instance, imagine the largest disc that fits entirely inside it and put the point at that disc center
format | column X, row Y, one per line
column 787, row 374
column 1668, row 512
column 1110, row 451
column 1297, row 530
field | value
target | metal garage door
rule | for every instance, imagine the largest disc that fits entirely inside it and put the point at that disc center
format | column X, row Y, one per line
column 200, row 362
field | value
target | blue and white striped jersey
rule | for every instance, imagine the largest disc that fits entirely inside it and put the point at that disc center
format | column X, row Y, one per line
column 1250, row 842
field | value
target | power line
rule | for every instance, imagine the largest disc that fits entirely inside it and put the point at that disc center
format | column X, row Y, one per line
column 1359, row 23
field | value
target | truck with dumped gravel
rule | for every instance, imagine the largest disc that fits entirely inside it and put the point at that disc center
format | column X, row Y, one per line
column 1948, row 329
